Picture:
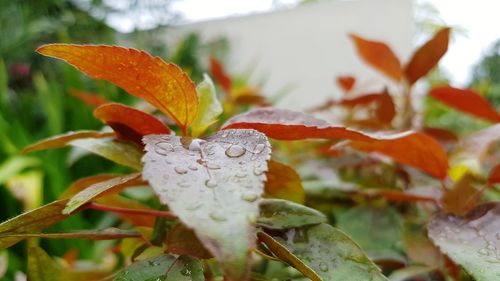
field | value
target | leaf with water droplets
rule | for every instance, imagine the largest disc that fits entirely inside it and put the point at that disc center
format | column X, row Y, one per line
column 31, row 222
column 162, row 84
column 129, row 123
column 472, row 241
column 113, row 185
column 282, row 214
column 325, row 250
column 209, row 107
column 213, row 185
column 164, row 268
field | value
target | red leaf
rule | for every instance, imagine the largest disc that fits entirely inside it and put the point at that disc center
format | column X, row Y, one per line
column 130, row 123
column 91, row 99
column 220, row 75
column 285, row 124
column 467, row 101
column 283, row 182
column 411, row 148
column 427, row 56
column 346, row 83
column 385, row 110
column 440, row 134
column 379, row 56
column 494, row 177
column 162, row 84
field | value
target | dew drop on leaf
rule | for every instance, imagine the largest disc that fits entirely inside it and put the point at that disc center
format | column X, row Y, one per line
column 192, row 167
column 259, row 148
column 183, row 184
column 249, row 196
column 217, row 216
column 210, row 183
column 213, row 166
column 235, row 151
column 323, row 267
column 180, row 170
column 163, row 148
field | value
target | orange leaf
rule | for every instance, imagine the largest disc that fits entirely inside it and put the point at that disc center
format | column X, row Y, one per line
column 427, row 56
column 283, row 182
column 130, row 123
column 220, row 75
column 494, row 177
column 461, row 197
column 285, row 124
column 88, row 98
column 64, row 139
column 162, row 84
column 467, row 101
column 385, row 111
column 411, row 148
column 440, row 134
column 346, row 83
column 379, row 56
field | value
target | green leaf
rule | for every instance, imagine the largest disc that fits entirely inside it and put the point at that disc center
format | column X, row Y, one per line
column 104, row 234
column 165, row 268
column 99, row 189
column 282, row 214
column 213, row 186
column 209, row 107
column 326, row 250
column 377, row 230
column 410, row 272
column 123, row 153
column 472, row 241
column 31, row 222
column 41, row 267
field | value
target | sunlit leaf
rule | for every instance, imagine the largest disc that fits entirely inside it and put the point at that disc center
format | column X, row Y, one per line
column 411, row 148
column 494, row 177
column 162, row 84
column 346, row 83
column 427, row 56
column 104, row 234
column 220, row 75
column 282, row 214
column 471, row 241
column 183, row 241
column 283, row 182
column 65, row 139
column 330, row 253
column 379, row 56
column 209, row 107
column 99, row 189
column 467, row 101
column 376, row 230
column 129, row 123
column 213, row 186
column 31, row 222
column 123, row 153
column 91, row 99
column 165, row 268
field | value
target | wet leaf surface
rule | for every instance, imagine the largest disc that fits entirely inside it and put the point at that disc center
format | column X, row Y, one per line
column 283, row 182
column 129, row 123
column 104, row 234
column 214, row 186
column 31, row 222
column 165, row 268
column 162, row 84
column 427, row 56
column 379, row 56
column 282, row 214
column 64, row 139
column 472, row 241
column 330, row 253
column 467, row 101
column 113, row 185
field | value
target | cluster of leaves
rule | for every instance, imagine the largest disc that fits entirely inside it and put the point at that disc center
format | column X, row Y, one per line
column 229, row 209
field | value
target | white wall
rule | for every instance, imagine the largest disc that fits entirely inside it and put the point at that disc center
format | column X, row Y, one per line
column 307, row 47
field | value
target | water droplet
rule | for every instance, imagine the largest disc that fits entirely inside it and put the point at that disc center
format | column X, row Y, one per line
column 235, row 151
column 210, row 183
column 217, row 216
column 483, row 252
column 180, row 170
column 195, row 145
column 186, row 272
column 224, row 134
column 163, row 148
column 194, row 206
column 213, row 166
column 259, row 148
column 249, row 196
column 323, row 267
column 252, row 218
column 183, row 184
column 259, row 170
column 240, row 174
column 192, row 167
column 153, row 263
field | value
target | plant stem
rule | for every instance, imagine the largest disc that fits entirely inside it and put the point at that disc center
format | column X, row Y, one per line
column 154, row 213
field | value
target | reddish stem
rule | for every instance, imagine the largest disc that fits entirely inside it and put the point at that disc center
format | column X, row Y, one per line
column 154, row 213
